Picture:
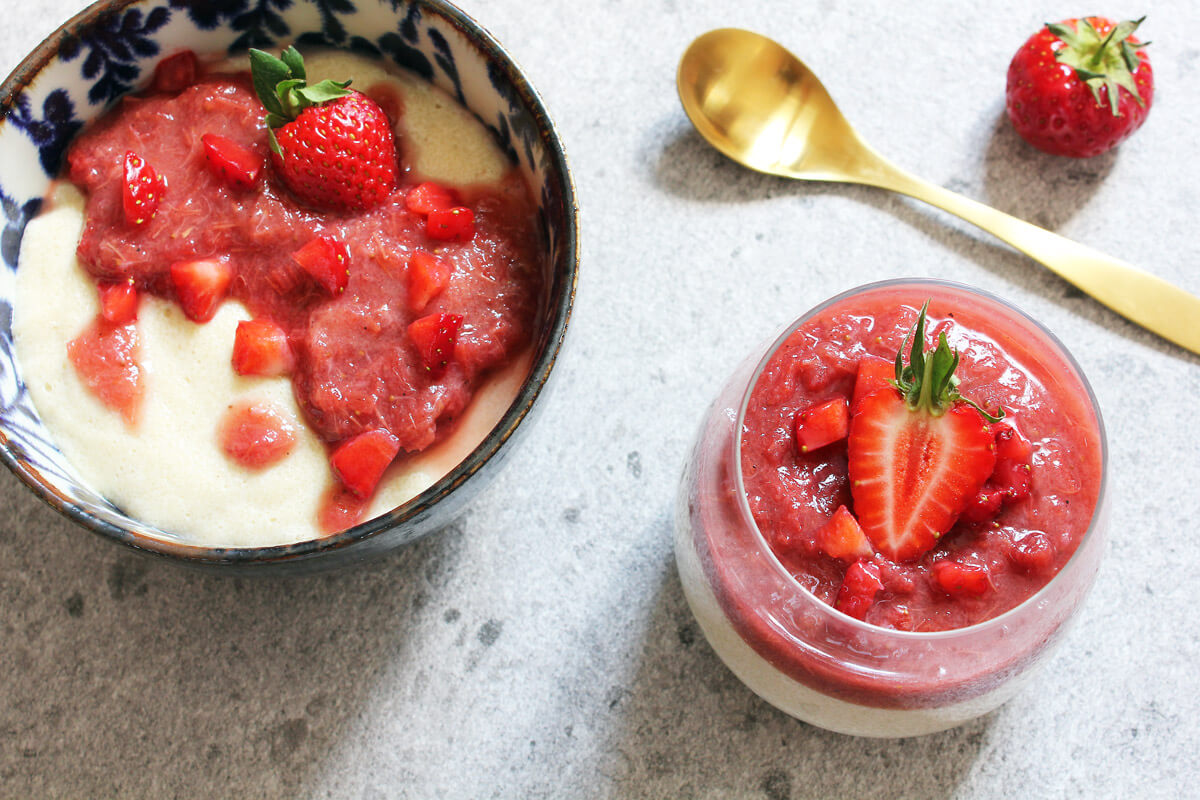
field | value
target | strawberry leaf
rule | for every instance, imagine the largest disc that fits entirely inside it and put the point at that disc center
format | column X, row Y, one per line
column 294, row 61
column 267, row 71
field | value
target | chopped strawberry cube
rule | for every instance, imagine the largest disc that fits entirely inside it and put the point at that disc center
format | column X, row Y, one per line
column 434, row 336
column 859, row 587
column 327, row 260
column 201, row 286
column 340, row 509
column 233, row 163
column 822, row 424
column 118, row 302
column 260, row 347
column 105, row 357
column 141, row 190
column 427, row 276
column 961, row 580
column 1014, row 464
column 874, row 373
column 1011, row 445
column 985, row 505
column 455, row 224
column 176, row 72
column 256, row 435
column 1033, row 553
column 359, row 462
column 428, row 197
column 842, row 537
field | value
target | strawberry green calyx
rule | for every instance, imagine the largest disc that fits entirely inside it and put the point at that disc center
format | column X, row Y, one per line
column 928, row 382
column 1109, row 62
column 282, row 87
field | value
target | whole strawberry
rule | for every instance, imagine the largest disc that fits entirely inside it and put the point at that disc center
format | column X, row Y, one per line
column 1080, row 87
column 332, row 146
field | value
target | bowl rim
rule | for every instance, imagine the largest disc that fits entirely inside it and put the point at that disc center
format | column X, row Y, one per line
column 556, row 317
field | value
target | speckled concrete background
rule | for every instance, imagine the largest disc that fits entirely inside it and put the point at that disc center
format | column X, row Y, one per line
column 541, row 647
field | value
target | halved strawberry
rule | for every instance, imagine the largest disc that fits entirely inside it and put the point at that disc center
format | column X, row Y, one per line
column 201, row 286
column 427, row 197
column 917, row 455
column 874, row 373
column 455, row 224
column 961, row 580
column 842, row 537
column 859, row 587
column 118, row 302
column 822, row 424
column 256, row 434
column 427, row 276
column 233, row 163
column 434, row 336
column 260, row 347
column 175, row 72
column 359, row 462
column 141, row 189
column 327, row 259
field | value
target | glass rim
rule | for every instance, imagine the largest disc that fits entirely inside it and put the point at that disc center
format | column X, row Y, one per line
column 776, row 565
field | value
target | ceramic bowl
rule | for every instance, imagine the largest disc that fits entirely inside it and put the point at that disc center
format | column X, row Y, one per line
column 110, row 49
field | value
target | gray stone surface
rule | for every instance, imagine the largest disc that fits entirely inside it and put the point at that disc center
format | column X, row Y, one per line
column 541, row 647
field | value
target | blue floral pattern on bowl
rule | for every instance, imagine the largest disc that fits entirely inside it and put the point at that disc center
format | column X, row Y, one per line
column 112, row 49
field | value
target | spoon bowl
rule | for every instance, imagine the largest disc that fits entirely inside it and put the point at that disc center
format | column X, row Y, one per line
column 761, row 106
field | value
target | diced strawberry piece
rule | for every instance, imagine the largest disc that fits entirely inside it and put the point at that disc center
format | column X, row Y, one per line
column 201, row 286
column 961, row 580
column 1014, row 464
column 105, row 357
column 858, row 590
column 984, row 506
column 233, row 163
column 118, row 302
column 874, row 373
column 1010, row 444
column 1033, row 553
column 260, row 347
column 256, row 435
column 455, row 224
column 427, row 276
column 428, row 197
column 822, row 424
column 141, row 190
column 340, row 509
column 842, row 537
column 176, row 72
column 434, row 336
column 359, row 462
column 327, row 260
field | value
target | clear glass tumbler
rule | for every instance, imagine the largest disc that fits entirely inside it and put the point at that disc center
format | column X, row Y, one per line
column 818, row 664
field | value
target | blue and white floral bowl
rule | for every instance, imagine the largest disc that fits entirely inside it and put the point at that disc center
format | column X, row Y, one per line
column 110, row 49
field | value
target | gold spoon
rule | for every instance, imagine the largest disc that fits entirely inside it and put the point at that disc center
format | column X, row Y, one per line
column 758, row 104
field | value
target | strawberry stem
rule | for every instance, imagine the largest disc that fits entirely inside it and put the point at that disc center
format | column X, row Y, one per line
column 928, row 382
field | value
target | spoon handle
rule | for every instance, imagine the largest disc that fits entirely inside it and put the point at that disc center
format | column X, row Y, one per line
column 1146, row 299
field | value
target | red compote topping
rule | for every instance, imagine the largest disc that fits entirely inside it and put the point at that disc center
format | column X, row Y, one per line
column 185, row 201
column 927, row 512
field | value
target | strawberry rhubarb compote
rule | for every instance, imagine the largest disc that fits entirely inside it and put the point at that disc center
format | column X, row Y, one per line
column 884, row 545
column 251, row 329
